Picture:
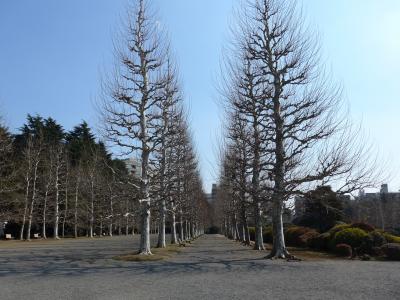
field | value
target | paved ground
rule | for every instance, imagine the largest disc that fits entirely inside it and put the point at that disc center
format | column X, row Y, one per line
column 213, row 268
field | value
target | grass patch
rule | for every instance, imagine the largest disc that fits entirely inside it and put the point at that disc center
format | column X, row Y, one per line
column 158, row 254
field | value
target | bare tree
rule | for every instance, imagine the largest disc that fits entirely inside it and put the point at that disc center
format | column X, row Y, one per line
column 35, row 160
column 167, row 132
column 129, row 106
column 308, row 140
column 58, row 165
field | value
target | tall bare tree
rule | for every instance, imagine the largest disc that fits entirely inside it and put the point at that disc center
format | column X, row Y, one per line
column 129, row 108
column 307, row 139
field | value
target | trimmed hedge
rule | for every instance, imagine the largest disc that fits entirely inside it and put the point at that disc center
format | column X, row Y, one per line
column 298, row 236
column 350, row 236
column 338, row 228
column 320, row 242
column 343, row 250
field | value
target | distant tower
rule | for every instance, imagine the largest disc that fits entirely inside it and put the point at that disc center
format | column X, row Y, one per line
column 384, row 188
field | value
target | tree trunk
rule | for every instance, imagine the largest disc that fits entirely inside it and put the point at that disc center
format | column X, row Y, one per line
column 173, row 225
column 258, row 243
column 56, row 204
column 76, row 208
column 243, row 216
column 66, row 206
column 127, row 225
column 27, row 180
column 145, row 230
column 279, row 248
column 192, row 231
column 161, row 232
column 133, row 226
column 35, row 177
column 110, row 226
column 46, row 195
column 181, row 233
column 91, row 221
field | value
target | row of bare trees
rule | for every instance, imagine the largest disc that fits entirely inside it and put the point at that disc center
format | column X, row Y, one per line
column 142, row 113
column 68, row 182
column 287, row 131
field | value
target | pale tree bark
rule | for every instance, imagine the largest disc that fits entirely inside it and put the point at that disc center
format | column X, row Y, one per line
column 66, row 199
column 57, row 169
column 129, row 106
column 161, row 235
column 46, row 197
column 91, row 207
column 34, row 190
column 76, row 202
column 28, row 156
column 110, row 225
column 173, row 223
column 308, row 140
column 181, row 232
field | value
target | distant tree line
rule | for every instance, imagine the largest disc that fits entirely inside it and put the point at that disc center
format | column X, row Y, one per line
column 58, row 183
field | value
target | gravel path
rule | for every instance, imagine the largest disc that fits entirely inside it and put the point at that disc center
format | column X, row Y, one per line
column 212, row 268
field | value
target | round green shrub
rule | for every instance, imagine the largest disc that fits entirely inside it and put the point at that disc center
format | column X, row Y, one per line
column 320, row 242
column 306, row 237
column 371, row 243
column 363, row 226
column 377, row 238
column 338, row 228
column 350, row 236
column 343, row 250
column 294, row 235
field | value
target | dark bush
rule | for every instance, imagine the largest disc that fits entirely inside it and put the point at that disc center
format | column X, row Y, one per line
column 363, row 226
column 350, row 236
column 252, row 233
column 371, row 243
column 322, row 209
column 212, row 230
column 267, row 235
column 343, row 250
column 320, row 242
column 12, row 228
column 305, row 238
column 293, row 235
column 378, row 239
column 391, row 251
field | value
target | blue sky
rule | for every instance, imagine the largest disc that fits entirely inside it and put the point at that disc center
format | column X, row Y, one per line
column 51, row 53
